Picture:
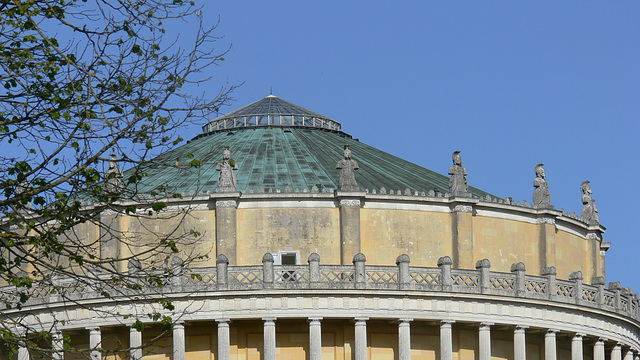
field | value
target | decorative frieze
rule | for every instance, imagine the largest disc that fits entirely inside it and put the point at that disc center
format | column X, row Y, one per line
column 226, row 204
column 350, row 202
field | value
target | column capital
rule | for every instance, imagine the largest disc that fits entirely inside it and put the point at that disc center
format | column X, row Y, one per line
column 269, row 320
column 447, row 322
column 485, row 325
column 178, row 324
column 579, row 335
column 405, row 320
column 223, row 321
column 360, row 319
column 314, row 319
column 521, row 328
column 93, row 329
column 552, row 331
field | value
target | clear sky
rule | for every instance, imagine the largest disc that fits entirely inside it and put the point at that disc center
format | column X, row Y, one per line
column 511, row 84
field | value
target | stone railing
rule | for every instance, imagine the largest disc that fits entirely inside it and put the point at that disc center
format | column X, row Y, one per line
column 404, row 277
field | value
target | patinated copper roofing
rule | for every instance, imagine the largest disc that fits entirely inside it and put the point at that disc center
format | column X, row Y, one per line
column 280, row 156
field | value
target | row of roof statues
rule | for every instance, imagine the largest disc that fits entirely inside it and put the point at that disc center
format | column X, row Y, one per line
column 458, row 184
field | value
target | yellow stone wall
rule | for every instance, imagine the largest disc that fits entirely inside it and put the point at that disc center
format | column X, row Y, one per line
column 505, row 242
column 144, row 233
column 424, row 236
column 384, row 235
column 308, row 230
column 575, row 253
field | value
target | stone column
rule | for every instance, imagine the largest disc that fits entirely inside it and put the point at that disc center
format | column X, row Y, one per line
column 576, row 347
column 349, row 229
column 224, row 341
column 179, row 349
column 226, row 228
column 404, row 339
column 269, row 338
column 462, row 231
column 57, row 346
column 616, row 352
column 484, row 341
column 446, row 340
column 628, row 355
column 550, row 347
column 361, row 338
column 95, row 343
column 519, row 343
column 598, row 350
column 135, row 344
column 547, row 239
column 23, row 352
column 315, row 338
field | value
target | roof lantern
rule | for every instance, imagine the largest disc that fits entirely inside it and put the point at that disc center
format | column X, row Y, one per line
column 271, row 111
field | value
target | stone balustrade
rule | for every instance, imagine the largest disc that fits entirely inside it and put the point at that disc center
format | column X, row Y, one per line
column 358, row 276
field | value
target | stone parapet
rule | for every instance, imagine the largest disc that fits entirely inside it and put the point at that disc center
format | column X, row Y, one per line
column 362, row 277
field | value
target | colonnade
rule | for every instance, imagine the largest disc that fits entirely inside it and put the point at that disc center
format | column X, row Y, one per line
column 617, row 352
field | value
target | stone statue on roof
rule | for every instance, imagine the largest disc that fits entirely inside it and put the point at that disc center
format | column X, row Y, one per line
column 347, row 167
column 541, row 194
column 458, row 185
column 589, row 209
column 113, row 182
column 227, row 181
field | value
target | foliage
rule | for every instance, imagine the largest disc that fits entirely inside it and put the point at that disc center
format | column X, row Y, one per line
column 80, row 81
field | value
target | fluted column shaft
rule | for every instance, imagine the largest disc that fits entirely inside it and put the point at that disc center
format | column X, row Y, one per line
column 95, row 342
column 550, row 347
column 576, row 347
column 135, row 344
column 404, row 339
column 519, row 343
column 224, row 342
column 598, row 350
column 269, row 338
column 628, row 355
column 57, row 346
column 179, row 349
column 361, row 338
column 23, row 352
column 484, row 341
column 315, row 339
column 616, row 352
column 446, row 340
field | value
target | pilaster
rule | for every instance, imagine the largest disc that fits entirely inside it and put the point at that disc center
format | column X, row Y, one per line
column 226, row 226
column 350, row 204
column 547, row 239
column 462, row 233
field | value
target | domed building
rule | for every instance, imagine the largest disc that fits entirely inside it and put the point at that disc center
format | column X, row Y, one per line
column 309, row 244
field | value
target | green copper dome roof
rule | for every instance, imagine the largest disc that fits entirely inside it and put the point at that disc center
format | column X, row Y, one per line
column 280, row 156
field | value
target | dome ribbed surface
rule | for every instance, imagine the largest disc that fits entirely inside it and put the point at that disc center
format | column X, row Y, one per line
column 276, row 157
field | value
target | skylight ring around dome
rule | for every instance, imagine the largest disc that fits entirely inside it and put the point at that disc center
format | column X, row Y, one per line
column 224, row 123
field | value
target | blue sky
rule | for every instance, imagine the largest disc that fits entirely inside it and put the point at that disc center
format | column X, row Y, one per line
column 511, row 84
